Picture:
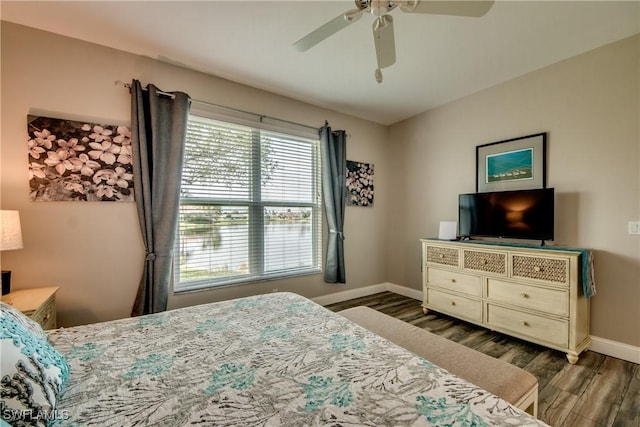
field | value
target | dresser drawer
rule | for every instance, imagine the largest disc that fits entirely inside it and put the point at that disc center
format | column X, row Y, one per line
column 46, row 314
column 455, row 305
column 550, row 270
column 553, row 301
column 443, row 256
column 552, row 331
column 459, row 282
column 490, row 262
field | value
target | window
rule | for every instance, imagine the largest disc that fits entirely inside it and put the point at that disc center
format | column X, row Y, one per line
column 249, row 206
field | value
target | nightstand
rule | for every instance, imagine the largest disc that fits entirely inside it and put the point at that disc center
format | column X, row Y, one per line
column 37, row 303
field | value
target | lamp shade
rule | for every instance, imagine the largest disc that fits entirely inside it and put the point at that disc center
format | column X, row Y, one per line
column 10, row 230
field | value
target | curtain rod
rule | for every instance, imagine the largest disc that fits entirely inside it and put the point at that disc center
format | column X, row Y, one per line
column 211, row 104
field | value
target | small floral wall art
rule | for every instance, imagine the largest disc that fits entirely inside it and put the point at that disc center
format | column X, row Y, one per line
column 78, row 161
column 359, row 184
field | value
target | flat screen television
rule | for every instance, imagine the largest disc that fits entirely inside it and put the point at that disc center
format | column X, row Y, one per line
column 520, row 214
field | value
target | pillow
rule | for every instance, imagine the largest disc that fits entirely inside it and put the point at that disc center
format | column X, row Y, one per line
column 28, row 323
column 33, row 375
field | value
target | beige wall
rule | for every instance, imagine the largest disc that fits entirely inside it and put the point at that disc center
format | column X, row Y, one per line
column 94, row 250
column 589, row 105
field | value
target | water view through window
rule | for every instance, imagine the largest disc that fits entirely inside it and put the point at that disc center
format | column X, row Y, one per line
column 216, row 242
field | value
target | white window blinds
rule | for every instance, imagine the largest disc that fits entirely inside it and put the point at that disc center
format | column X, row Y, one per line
column 249, row 208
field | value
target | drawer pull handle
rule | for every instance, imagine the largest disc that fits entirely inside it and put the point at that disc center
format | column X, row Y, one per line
column 453, row 280
column 485, row 262
column 441, row 256
column 537, row 269
column 524, row 323
column 453, row 303
column 524, row 295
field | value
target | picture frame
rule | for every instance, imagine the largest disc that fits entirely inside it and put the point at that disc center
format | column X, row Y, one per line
column 72, row 160
column 359, row 182
column 512, row 164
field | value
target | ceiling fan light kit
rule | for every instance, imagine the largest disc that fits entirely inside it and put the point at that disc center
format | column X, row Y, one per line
column 383, row 35
column 352, row 15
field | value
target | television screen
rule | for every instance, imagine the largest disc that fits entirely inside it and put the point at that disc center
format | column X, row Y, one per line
column 521, row 214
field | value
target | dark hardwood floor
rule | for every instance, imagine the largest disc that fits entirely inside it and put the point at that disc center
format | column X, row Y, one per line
column 597, row 391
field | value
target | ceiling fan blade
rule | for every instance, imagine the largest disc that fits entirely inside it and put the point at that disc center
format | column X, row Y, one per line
column 473, row 8
column 384, row 41
column 331, row 27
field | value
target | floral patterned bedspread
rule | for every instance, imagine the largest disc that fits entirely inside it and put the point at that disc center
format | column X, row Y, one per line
column 270, row 360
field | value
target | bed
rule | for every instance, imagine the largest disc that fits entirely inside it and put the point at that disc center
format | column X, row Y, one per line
column 269, row 360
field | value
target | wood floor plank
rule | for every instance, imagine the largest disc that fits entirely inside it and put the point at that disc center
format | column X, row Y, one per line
column 392, row 309
column 492, row 348
column 629, row 413
column 476, row 338
column 602, row 399
column 389, row 304
column 422, row 323
column 440, row 325
column 576, row 378
column 555, row 405
column 411, row 315
column 546, row 365
column 496, row 347
column 457, row 332
column 520, row 354
column 574, row 419
column 368, row 300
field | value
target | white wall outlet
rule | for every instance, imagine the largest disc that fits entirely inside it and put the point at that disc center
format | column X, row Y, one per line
column 634, row 227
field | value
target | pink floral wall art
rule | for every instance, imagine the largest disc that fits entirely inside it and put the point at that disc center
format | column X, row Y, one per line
column 79, row 161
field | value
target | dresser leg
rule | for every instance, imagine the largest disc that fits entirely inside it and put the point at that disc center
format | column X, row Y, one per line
column 425, row 310
column 572, row 358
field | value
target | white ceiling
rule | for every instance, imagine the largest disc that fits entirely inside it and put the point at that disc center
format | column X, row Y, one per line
column 439, row 58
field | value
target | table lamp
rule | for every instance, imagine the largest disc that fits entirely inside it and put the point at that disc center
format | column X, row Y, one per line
column 10, row 238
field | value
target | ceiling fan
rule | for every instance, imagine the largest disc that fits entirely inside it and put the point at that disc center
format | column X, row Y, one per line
column 383, row 24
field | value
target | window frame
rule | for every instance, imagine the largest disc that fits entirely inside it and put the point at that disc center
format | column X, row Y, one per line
column 256, row 210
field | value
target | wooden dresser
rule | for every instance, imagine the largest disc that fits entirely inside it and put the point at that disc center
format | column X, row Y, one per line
column 37, row 303
column 531, row 293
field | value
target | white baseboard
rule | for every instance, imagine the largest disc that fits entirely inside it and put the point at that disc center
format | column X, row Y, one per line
column 403, row 290
column 366, row 291
column 615, row 349
column 350, row 294
column 604, row 346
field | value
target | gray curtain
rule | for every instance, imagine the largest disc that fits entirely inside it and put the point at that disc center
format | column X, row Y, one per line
column 158, row 131
column 333, row 149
